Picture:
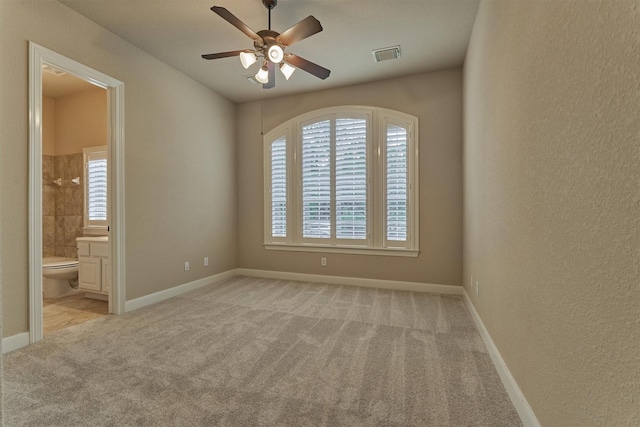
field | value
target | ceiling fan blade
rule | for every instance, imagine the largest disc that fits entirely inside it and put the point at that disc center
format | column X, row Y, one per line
column 272, row 76
column 233, row 20
column 222, row 54
column 308, row 66
column 303, row 29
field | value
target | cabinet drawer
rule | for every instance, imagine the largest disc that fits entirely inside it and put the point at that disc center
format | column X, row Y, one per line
column 99, row 250
column 83, row 249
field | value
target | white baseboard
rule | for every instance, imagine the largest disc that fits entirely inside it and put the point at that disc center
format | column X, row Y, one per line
column 338, row 280
column 517, row 397
column 156, row 297
column 22, row 340
column 353, row 281
column 15, row 342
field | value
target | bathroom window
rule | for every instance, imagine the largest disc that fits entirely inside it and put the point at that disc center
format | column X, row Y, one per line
column 95, row 190
column 343, row 179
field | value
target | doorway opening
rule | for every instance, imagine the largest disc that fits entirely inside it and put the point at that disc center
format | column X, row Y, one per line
column 74, row 184
column 76, row 192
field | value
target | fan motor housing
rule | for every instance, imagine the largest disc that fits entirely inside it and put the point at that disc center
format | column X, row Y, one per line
column 268, row 39
column 270, row 4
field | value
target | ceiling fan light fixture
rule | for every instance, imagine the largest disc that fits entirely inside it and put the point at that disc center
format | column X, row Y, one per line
column 275, row 54
column 247, row 58
column 263, row 75
column 287, row 70
column 269, row 47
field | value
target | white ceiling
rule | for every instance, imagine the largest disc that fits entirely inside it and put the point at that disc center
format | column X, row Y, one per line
column 55, row 86
column 433, row 35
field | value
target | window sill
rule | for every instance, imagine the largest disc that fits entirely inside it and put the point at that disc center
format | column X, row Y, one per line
column 358, row 250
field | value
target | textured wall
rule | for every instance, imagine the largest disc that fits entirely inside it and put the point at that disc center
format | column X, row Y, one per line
column 436, row 99
column 179, row 157
column 552, row 201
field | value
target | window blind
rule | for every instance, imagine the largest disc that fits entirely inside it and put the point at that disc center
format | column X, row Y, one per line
column 97, row 186
column 351, row 178
column 279, row 188
column 316, row 180
column 396, row 191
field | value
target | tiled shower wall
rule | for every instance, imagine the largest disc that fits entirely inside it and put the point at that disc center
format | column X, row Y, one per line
column 48, row 206
column 62, row 206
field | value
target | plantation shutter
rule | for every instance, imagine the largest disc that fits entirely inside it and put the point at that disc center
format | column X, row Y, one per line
column 96, row 187
column 351, row 178
column 316, row 180
column 279, row 188
column 397, row 177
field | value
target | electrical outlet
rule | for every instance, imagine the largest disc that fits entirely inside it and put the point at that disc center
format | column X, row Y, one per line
column 477, row 288
column 186, row 266
column 323, row 262
column 206, row 261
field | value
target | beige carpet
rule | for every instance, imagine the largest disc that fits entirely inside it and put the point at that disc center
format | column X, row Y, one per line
column 257, row 352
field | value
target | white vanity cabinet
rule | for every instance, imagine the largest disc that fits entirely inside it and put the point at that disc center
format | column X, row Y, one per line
column 94, row 274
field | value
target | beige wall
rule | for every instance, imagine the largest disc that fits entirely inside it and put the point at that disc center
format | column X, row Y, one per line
column 435, row 98
column 81, row 121
column 48, row 126
column 552, row 201
column 180, row 157
column 73, row 122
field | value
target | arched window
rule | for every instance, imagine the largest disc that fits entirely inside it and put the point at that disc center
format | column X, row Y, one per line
column 343, row 179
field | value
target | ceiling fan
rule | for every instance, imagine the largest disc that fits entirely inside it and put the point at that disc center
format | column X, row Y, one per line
column 270, row 45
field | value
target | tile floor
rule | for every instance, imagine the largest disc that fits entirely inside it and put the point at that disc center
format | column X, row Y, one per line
column 60, row 313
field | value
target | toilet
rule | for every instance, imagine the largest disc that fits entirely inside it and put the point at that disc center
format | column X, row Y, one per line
column 59, row 276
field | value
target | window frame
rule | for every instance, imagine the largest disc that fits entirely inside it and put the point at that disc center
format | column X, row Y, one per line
column 276, row 134
column 94, row 227
column 376, row 242
column 411, row 172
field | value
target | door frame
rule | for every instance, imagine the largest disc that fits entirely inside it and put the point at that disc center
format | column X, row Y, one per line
column 39, row 56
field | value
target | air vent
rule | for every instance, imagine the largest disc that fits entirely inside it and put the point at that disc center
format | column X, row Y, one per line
column 252, row 79
column 386, row 53
column 49, row 69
